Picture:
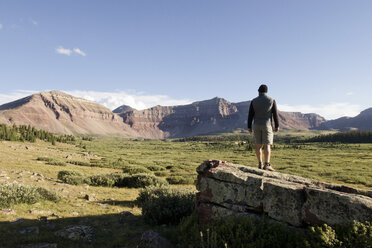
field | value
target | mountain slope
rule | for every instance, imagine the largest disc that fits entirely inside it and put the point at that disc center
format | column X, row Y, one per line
column 204, row 117
column 363, row 121
column 58, row 112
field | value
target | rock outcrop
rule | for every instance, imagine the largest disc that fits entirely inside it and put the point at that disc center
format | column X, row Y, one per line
column 230, row 189
column 58, row 112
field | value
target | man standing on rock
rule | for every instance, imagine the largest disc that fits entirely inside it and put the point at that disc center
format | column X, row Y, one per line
column 262, row 110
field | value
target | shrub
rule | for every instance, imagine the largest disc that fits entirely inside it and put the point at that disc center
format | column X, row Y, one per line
column 107, row 180
column 324, row 235
column 59, row 163
column 81, row 163
column 63, row 174
column 142, row 180
column 164, row 205
column 235, row 231
column 46, row 159
column 356, row 235
column 11, row 194
column 51, row 161
column 134, row 169
column 181, row 179
column 155, row 168
column 47, row 194
column 71, row 177
column 161, row 173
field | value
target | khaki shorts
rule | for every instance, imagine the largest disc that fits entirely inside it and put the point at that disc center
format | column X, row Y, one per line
column 263, row 134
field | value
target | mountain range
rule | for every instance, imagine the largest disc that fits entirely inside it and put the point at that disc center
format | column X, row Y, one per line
column 59, row 112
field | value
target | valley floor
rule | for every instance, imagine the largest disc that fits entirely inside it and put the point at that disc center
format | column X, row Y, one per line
column 38, row 164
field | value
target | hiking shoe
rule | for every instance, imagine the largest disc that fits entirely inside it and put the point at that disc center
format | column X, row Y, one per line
column 268, row 167
column 260, row 166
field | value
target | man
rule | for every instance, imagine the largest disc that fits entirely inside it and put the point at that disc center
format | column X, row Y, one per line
column 262, row 110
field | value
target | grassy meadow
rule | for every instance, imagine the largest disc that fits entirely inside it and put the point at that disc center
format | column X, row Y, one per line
column 38, row 164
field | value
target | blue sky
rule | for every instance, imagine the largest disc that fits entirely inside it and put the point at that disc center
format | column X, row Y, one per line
column 315, row 56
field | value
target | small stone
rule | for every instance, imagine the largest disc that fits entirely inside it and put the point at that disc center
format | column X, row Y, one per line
column 151, row 239
column 123, row 216
column 41, row 245
column 43, row 218
column 90, row 198
column 40, row 212
column 77, row 233
column 30, row 230
column 54, row 215
column 17, row 221
column 8, row 211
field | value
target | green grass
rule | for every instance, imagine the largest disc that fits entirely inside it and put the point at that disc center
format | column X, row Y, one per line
column 334, row 163
column 171, row 160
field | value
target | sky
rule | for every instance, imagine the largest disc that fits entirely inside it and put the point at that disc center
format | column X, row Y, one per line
column 315, row 56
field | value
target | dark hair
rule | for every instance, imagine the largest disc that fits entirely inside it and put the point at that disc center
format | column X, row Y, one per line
column 263, row 88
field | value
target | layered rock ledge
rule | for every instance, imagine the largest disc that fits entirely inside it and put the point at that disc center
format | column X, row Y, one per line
column 232, row 189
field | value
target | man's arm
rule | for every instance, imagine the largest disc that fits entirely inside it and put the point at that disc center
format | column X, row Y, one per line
column 275, row 116
column 250, row 117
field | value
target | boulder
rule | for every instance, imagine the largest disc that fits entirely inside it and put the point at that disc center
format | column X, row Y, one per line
column 230, row 189
column 77, row 233
column 30, row 230
column 151, row 239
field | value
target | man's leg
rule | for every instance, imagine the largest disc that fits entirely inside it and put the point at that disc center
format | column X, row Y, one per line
column 267, row 153
column 259, row 155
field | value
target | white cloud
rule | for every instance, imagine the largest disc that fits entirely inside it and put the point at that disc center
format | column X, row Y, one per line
column 1, row 26
column 328, row 111
column 350, row 93
column 64, row 51
column 78, row 51
column 68, row 51
column 34, row 22
column 112, row 100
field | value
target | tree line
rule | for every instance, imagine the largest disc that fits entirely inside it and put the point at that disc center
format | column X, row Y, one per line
column 27, row 133
column 344, row 137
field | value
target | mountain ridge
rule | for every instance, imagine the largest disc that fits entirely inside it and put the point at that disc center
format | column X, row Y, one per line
column 204, row 117
column 363, row 121
column 59, row 112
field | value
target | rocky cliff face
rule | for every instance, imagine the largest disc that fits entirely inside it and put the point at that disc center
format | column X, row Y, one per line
column 297, row 120
column 363, row 121
column 204, row 117
column 61, row 113
column 229, row 189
